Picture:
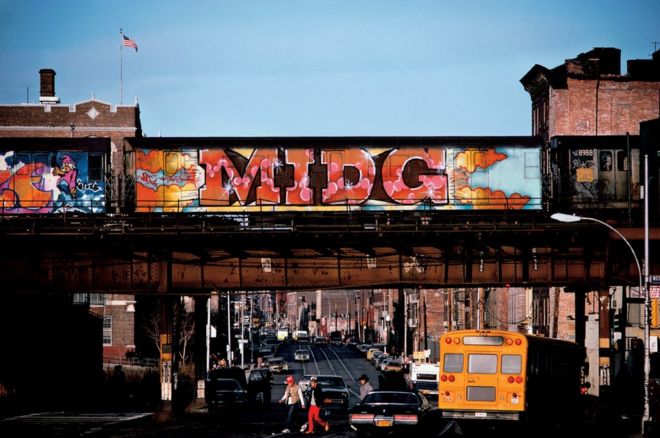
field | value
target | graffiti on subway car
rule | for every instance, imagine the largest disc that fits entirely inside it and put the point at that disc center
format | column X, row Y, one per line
column 41, row 182
column 198, row 179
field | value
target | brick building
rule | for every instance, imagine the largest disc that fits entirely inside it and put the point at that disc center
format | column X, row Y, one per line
column 589, row 96
column 91, row 118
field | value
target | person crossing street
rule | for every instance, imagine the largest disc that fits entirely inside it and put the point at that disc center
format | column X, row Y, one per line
column 314, row 414
column 293, row 397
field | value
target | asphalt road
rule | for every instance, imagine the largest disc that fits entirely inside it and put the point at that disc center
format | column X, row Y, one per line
column 245, row 421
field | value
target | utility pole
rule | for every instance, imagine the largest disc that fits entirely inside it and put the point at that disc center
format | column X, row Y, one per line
column 405, row 323
column 228, row 330
column 426, row 333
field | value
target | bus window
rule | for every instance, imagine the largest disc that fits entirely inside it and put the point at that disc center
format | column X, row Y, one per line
column 482, row 363
column 483, row 340
column 511, row 364
column 453, row 363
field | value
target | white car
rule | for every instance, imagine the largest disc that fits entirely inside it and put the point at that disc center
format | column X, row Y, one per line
column 277, row 365
column 301, row 355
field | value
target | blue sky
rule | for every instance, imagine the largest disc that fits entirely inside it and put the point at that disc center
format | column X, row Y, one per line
column 312, row 67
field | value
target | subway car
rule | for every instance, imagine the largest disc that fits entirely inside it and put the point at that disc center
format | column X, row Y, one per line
column 54, row 175
column 218, row 176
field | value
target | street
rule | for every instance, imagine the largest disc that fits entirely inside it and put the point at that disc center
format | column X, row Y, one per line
column 239, row 421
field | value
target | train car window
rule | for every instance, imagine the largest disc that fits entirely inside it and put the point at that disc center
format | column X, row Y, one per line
column 95, row 167
column 605, row 161
column 622, row 161
column 511, row 364
column 453, row 363
column 482, row 363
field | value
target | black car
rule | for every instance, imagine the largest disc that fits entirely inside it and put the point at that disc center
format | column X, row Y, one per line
column 389, row 411
column 335, row 392
column 225, row 392
column 259, row 384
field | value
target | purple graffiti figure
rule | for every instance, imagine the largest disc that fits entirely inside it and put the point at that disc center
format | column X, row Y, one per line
column 68, row 175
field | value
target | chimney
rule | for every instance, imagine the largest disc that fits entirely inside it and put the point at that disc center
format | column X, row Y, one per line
column 47, row 92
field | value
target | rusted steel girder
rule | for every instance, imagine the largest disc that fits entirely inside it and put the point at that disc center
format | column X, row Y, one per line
column 198, row 257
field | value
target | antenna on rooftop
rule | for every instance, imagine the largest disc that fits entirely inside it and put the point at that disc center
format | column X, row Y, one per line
column 655, row 45
column 27, row 94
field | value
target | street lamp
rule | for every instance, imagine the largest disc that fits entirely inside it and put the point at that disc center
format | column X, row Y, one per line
column 562, row 217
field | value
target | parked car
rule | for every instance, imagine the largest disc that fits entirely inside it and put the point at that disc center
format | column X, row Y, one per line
column 393, row 365
column 224, row 392
column 388, row 411
column 277, row 365
column 374, row 357
column 363, row 348
column 301, row 355
column 382, row 361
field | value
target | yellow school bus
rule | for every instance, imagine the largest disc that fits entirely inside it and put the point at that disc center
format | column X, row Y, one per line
column 508, row 376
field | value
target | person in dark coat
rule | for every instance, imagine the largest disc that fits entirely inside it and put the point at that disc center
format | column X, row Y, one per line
column 315, row 401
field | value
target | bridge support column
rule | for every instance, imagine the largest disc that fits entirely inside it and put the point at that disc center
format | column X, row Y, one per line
column 605, row 348
column 580, row 321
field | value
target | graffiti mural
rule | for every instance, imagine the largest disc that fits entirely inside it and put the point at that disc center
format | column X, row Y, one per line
column 51, row 182
column 278, row 179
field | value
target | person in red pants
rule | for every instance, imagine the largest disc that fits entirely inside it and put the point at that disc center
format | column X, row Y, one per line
column 314, row 415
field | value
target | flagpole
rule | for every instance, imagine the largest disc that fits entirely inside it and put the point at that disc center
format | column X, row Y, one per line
column 121, row 67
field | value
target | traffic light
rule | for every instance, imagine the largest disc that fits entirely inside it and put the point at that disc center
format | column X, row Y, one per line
column 616, row 322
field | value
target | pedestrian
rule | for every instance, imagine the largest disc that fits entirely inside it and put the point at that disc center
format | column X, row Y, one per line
column 118, row 387
column 293, row 397
column 315, row 401
column 365, row 386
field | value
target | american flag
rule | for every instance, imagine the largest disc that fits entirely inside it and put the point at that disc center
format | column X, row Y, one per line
column 129, row 42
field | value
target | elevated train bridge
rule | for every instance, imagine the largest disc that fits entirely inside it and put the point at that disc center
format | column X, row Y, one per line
column 197, row 254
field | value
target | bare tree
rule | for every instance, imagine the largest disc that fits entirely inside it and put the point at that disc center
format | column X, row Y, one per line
column 152, row 325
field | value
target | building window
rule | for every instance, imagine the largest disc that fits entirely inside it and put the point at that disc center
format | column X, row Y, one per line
column 107, row 330
column 80, row 298
column 91, row 299
column 95, row 167
column 96, row 299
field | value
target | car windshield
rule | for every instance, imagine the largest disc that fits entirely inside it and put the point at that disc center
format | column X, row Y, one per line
column 227, row 384
column 398, row 398
column 330, row 381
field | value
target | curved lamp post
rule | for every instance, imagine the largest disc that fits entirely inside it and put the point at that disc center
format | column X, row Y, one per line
column 562, row 217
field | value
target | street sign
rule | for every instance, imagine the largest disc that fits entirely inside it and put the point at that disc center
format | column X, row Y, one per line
column 654, row 291
column 654, row 279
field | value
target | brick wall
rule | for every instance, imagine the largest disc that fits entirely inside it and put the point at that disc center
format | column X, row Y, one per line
column 602, row 107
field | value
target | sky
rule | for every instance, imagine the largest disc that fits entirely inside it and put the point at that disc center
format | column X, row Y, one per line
column 311, row 67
